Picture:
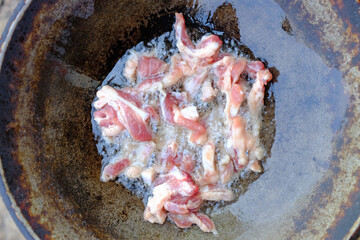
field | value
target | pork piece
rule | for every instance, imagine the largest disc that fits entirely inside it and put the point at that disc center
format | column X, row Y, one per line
column 131, row 160
column 239, row 141
column 207, row 49
column 187, row 163
column 182, row 220
column 157, row 217
column 256, row 153
column 198, row 131
column 237, row 69
column 152, row 112
column 179, row 69
column 155, row 205
column 106, row 118
column 226, row 169
column 256, row 98
column 134, row 171
column 182, row 205
column 214, row 193
column 168, row 156
column 131, row 67
column 198, row 138
column 186, row 122
column 150, row 84
column 150, row 67
column 182, row 37
column 210, row 46
column 113, row 170
column 200, row 219
column 176, row 182
column 128, row 109
column 237, row 96
column 139, row 156
column 223, row 69
column 204, row 223
column 168, row 103
column 255, row 166
column 253, row 67
column 190, row 112
column 148, row 175
column 228, row 70
column 210, row 174
column 207, row 91
column 151, row 71
column 193, row 84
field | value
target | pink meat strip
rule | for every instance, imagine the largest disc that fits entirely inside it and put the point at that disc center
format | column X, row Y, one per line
column 237, row 96
column 157, row 217
column 226, row 169
column 214, row 193
column 186, row 163
column 170, row 157
column 112, row 171
column 168, row 103
column 148, row 83
column 207, row 49
column 228, row 70
column 131, row 67
column 179, row 69
column 237, row 69
column 182, row 205
column 200, row 219
column 150, row 67
column 239, row 141
column 130, row 158
column 129, row 113
column 207, row 91
column 193, row 84
column 199, row 133
column 210, row 174
column 222, row 69
column 139, row 157
column 107, row 119
column 152, row 112
column 253, row 67
column 192, row 125
column 176, row 182
column 150, row 70
column 256, row 98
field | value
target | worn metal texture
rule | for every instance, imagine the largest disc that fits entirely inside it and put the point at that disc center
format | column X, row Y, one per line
column 60, row 51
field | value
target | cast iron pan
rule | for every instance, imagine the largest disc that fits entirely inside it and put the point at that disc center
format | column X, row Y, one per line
column 56, row 53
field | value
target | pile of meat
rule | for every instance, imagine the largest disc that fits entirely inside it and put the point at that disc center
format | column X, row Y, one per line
column 187, row 127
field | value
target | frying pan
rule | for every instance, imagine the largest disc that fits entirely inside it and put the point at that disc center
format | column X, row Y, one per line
column 56, row 53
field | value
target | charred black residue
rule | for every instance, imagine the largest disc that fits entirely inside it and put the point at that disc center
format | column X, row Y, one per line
column 224, row 19
column 285, row 25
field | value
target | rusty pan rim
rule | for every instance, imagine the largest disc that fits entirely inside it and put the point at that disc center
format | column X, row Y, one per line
column 14, row 210
column 8, row 199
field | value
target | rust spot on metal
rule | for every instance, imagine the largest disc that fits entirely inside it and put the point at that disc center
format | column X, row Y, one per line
column 225, row 19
